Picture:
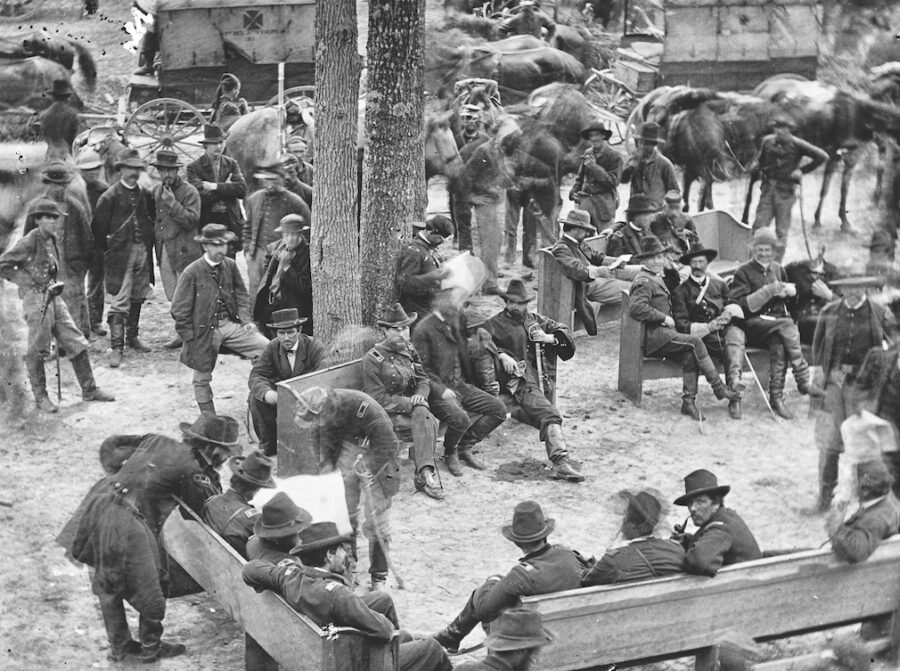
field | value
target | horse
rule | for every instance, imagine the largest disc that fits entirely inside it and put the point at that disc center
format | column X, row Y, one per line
column 57, row 49
column 25, row 84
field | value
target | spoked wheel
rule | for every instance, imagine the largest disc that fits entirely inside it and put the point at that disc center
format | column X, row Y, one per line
column 296, row 93
column 17, row 10
column 166, row 122
column 610, row 93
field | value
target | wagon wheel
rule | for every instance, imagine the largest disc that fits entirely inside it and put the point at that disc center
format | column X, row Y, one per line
column 610, row 93
column 166, row 122
column 295, row 93
column 17, row 10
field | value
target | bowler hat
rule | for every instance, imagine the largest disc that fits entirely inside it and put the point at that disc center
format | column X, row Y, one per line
column 440, row 224
column 57, row 172
column 644, row 509
column 395, row 317
column 858, row 282
column 763, row 236
column 216, row 429
column 874, row 476
column 286, row 319
column 595, row 127
column 312, row 400
column 280, row 517
column 698, row 483
column 255, row 468
column 166, row 158
column 578, row 219
column 60, row 88
column 696, row 251
column 640, row 204
column 88, row 159
column 47, row 206
column 212, row 134
column 672, row 196
column 784, row 121
column 528, row 523
column 215, row 234
column 318, row 536
column 649, row 132
column 292, row 223
column 517, row 629
column 130, row 158
column 651, row 246
column 515, row 291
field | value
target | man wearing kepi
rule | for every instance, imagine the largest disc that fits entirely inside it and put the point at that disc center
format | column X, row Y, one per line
column 33, row 264
column 394, row 376
column 760, row 288
column 543, row 569
column 211, row 308
column 702, row 306
column 420, row 268
column 722, row 537
column 598, row 176
column 528, row 345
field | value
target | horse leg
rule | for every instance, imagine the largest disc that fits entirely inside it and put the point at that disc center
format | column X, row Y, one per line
column 706, row 199
column 850, row 159
column 830, row 167
column 688, row 178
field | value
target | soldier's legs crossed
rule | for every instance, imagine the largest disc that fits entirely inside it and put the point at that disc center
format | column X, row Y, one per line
column 606, row 290
column 246, row 342
column 454, row 416
column 488, row 413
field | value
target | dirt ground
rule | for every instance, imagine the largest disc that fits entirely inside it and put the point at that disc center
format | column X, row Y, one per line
column 49, row 618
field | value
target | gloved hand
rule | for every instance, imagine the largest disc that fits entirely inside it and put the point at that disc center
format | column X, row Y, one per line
column 760, row 297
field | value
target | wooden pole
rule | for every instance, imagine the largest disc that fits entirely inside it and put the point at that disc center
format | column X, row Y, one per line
column 282, row 114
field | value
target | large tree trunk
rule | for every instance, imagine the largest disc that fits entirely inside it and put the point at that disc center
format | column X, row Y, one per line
column 334, row 247
column 394, row 163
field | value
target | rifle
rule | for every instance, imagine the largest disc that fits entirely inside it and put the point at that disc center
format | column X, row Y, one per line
column 53, row 290
column 754, row 175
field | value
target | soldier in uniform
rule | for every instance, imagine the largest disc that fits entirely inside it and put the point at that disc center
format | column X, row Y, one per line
column 419, row 267
column 275, row 530
column 356, row 436
column 813, row 294
column 543, row 569
column 89, row 164
column 470, row 136
column 643, row 556
column 292, row 181
column 394, row 376
column 231, row 515
column 650, row 173
column 878, row 380
column 513, row 643
column 722, row 537
column 319, row 590
column 628, row 236
column 699, row 308
column 33, row 264
column 848, row 328
column 778, row 163
column 290, row 354
column 760, row 289
column 672, row 226
column 59, row 123
column 651, row 303
column 528, row 345
column 595, row 188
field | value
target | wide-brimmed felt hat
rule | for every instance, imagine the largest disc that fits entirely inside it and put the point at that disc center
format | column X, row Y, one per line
column 57, row 172
column 312, row 400
column 528, row 523
column 280, row 517
column 763, row 236
column 212, row 134
column 699, row 250
column 61, row 88
column 649, row 132
column 317, row 536
column 215, row 234
column 517, row 629
column 698, row 483
column 47, row 206
column 477, row 313
column 579, row 219
column 440, row 224
column 516, row 291
column 595, row 127
column 269, row 170
column 672, row 196
column 858, row 282
column 783, row 120
column 644, row 509
column 874, row 475
column 292, row 223
column 639, row 204
column 130, row 158
column 216, row 429
column 166, row 158
column 256, row 468
column 651, row 246
column 395, row 316
column 88, row 159
column 286, row 319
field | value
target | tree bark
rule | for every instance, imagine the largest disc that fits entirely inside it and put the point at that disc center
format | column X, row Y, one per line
column 394, row 162
column 334, row 244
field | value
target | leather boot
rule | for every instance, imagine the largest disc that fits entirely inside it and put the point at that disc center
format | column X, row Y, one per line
column 468, row 457
column 132, row 328
column 451, row 460
column 828, row 479
column 116, row 323
column 734, row 409
column 81, row 364
column 426, row 482
column 558, row 451
column 708, row 368
column 780, row 408
column 452, row 635
column 207, row 407
column 38, row 379
column 174, row 343
column 733, row 361
column 777, row 373
column 689, row 384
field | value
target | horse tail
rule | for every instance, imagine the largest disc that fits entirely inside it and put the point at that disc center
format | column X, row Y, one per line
column 86, row 63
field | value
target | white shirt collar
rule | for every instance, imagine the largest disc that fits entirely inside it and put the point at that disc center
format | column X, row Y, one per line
column 211, row 264
column 130, row 188
column 858, row 305
column 865, row 505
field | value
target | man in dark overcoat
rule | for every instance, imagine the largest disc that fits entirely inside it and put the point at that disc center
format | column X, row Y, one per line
column 627, row 237
column 672, row 226
column 220, row 182
column 528, row 345
column 90, row 164
column 651, row 303
column 878, row 380
column 290, row 354
column 513, row 643
column 419, row 266
column 59, row 123
column 650, row 173
column 211, row 308
column 848, row 328
column 722, row 537
column 123, row 226
column 470, row 136
column 595, row 188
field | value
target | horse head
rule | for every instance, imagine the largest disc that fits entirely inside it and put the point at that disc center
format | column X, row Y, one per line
column 441, row 153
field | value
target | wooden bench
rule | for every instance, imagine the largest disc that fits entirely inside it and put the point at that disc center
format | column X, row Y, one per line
column 684, row 615
column 292, row 639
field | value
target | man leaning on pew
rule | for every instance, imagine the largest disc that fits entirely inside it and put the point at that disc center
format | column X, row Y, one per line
column 319, row 590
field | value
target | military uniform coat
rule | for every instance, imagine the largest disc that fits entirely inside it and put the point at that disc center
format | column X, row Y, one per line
column 598, row 183
column 221, row 205
column 725, row 539
column 881, row 321
column 294, row 289
column 778, row 159
column 879, row 378
column 273, row 365
column 416, row 276
column 863, row 531
column 626, row 240
column 748, row 279
column 639, row 559
column 76, row 241
column 195, row 309
column 652, row 177
column 176, row 225
column 685, row 308
column 113, row 231
column 32, row 263
column 650, row 302
column 392, row 376
column 232, row 517
column 574, row 260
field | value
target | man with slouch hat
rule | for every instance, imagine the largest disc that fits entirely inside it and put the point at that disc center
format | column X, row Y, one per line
column 627, row 237
column 598, row 176
column 513, row 643
column 275, row 530
column 651, row 174
column 722, row 537
column 543, row 569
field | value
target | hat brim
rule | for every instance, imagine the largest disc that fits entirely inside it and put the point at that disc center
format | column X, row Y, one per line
column 642, row 210
column 527, row 298
column 502, row 643
column 130, row 163
column 235, row 465
column 186, row 429
column 295, row 526
column 304, row 548
column 47, row 213
column 57, row 180
column 647, row 138
column 549, row 526
column 586, row 133
column 300, row 229
column 177, row 164
column 218, row 240
column 710, row 254
column 288, row 325
column 647, row 255
column 577, row 224
column 686, row 498
column 210, row 140
column 90, row 165
column 410, row 318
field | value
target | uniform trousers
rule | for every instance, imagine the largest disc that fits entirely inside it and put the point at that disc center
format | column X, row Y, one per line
column 150, row 626
column 487, row 413
column 530, row 406
column 56, row 322
column 776, row 200
column 728, row 346
column 95, row 289
column 489, row 237
column 422, row 427
column 76, row 301
column 248, row 343
column 256, row 268
column 609, row 286
column 692, row 349
column 135, row 280
column 265, row 423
